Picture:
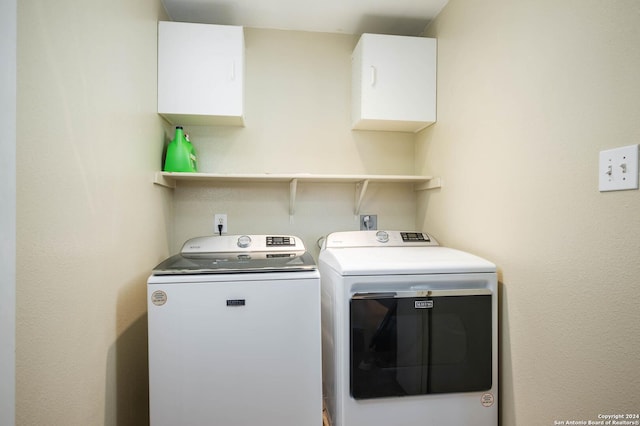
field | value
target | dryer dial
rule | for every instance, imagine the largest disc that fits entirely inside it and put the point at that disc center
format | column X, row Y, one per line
column 382, row 236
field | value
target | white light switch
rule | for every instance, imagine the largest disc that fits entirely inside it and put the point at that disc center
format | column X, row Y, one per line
column 618, row 169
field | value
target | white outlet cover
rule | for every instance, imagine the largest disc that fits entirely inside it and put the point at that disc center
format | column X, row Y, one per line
column 220, row 218
column 618, row 169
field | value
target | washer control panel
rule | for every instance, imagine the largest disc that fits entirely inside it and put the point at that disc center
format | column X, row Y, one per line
column 280, row 241
column 242, row 243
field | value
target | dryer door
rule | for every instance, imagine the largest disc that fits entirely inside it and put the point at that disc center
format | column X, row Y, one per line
column 412, row 343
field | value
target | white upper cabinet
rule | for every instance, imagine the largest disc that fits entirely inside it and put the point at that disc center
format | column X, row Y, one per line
column 393, row 83
column 201, row 73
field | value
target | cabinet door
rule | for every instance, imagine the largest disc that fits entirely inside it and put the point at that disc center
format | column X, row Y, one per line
column 394, row 82
column 200, row 73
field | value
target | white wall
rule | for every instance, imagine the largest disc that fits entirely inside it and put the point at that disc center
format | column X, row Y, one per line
column 528, row 93
column 298, row 87
column 90, row 222
column 8, row 24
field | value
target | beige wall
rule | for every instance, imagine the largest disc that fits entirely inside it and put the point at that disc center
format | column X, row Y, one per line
column 90, row 223
column 528, row 93
column 8, row 46
column 298, row 87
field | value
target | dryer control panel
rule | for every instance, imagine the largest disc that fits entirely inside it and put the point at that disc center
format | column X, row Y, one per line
column 379, row 239
column 414, row 237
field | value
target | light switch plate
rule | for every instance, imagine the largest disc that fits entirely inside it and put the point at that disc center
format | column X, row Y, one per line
column 618, row 169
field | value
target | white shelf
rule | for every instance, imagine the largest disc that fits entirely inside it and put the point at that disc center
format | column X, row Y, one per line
column 170, row 180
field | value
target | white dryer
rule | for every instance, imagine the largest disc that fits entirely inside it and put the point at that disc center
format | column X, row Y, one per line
column 234, row 334
column 409, row 332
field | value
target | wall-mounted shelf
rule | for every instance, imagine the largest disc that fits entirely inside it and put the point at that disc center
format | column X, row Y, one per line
column 421, row 183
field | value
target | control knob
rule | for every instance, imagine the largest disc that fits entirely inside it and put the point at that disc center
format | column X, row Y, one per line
column 244, row 241
column 382, row 237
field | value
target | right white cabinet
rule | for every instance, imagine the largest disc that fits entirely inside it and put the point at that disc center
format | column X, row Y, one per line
column 201, row 73
column 393, row 83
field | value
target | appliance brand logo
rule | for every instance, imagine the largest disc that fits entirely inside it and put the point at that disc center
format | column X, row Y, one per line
column 236, row 302
column 423, row 304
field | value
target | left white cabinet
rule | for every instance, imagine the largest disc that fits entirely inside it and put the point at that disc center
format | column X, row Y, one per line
column 201, row 74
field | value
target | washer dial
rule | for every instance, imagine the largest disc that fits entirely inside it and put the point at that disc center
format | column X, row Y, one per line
column 244, row 241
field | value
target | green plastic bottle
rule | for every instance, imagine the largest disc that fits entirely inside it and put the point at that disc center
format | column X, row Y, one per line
column 180, row 154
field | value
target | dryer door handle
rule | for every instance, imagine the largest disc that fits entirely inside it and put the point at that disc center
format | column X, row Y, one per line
column 422, row 293
column 385, row 295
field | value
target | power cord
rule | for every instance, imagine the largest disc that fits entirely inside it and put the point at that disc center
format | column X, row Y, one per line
column 367, row 221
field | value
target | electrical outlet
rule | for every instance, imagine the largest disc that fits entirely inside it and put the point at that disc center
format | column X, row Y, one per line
column 368, row 222
column 618, row 169
column 220, row 219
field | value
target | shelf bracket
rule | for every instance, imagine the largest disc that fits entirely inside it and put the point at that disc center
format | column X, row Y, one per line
column 293, row 188
column 161, row 180
column 361, row 190
column 433, row 183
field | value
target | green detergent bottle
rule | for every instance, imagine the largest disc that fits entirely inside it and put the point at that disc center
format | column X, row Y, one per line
column 180, row 154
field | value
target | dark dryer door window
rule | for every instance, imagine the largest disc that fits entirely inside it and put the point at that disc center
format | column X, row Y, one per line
column 405, row 344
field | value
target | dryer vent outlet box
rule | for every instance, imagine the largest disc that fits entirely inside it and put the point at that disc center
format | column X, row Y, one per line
column 368, row 222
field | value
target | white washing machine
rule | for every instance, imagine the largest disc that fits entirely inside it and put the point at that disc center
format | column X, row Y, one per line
column 234, row 334
column 409, row 332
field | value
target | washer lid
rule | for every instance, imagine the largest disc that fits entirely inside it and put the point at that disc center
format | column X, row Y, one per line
column 229, row 263
column 238, row 254
column 402, row 261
